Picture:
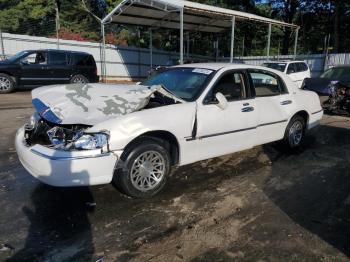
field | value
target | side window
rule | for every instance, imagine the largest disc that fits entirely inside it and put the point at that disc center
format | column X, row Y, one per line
column 292, row 68
column 80, row 59
column 38, row 58
column 266, row 84
column 302, row 67
column 90, row 61
column 231, row 85
column 58, row 58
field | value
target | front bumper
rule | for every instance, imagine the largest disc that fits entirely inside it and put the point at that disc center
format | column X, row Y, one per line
column 65, row 168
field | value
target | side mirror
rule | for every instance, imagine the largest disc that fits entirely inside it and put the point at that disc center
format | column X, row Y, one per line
column 222, row 101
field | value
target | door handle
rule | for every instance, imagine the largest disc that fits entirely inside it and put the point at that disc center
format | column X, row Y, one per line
column 247, row 109
column 286, row 102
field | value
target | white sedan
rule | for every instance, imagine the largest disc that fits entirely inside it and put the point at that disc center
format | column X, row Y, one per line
column 132, row 135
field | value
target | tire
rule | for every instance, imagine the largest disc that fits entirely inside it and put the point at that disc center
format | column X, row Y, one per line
column 295, row 132
column 79, row 79
column 133, row 176
column 7, row 84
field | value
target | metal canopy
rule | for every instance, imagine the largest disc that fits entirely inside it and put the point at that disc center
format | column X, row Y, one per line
column 184, row 15
column 197, row 17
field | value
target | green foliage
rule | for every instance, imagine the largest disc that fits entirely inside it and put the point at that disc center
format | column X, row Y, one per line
column 317, row 18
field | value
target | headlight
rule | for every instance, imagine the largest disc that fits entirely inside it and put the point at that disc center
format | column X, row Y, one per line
column 91, row 141
column 34, row 119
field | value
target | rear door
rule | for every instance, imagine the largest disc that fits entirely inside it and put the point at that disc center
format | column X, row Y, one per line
column 34, row 69
column 292, row 71
column 273, row 104
column 59, row 67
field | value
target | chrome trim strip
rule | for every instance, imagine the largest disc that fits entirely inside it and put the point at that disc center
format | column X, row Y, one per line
column 67, row 158
column 272, row 123
column 319, row 111
column 235, row 131
column 43, row 78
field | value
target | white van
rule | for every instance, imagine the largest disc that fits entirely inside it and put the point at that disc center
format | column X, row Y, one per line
column 296, row 70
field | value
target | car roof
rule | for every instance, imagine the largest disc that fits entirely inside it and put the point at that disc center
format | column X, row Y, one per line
column 218, row 66
column 285, row 61
column 58, row 50
column 338, row 66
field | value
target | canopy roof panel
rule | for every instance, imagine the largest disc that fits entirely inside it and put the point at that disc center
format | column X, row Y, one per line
column 197, row 17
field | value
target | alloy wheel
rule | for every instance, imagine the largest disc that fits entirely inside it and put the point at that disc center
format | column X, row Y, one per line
column 147, row 170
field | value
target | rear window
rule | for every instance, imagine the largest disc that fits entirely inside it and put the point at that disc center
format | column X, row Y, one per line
column 84, row 60
column 336, row 73
column 58, row 58
column 277, row 66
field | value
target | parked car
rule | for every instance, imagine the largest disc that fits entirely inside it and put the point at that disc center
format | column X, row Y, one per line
column 34, row 68
column 333, row 87
column 132, row 135
column 296, row 70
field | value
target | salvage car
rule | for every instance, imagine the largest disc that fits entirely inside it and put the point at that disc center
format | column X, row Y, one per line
column 132, row 135
column 296, row 70
column 333, row 87
column 32, row 68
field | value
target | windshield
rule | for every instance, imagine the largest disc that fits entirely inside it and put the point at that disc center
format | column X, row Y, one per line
column 276, row 66
column 16, row 56
column 185, row 83
column 336, row 73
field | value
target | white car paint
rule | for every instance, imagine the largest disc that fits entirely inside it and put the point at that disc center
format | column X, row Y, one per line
column 294, row 72
column 219, row 131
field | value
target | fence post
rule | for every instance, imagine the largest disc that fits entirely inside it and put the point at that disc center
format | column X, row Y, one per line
column 2, row 45
column 139, row 64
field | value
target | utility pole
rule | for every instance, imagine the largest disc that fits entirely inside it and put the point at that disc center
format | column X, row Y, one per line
column 57, row 7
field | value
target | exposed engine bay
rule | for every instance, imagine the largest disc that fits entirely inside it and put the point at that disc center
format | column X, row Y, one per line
column 338, row 101
column 73, row 136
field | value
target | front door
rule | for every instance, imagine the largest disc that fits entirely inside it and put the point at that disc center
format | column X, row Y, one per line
column 34, row 69
column 224, row 131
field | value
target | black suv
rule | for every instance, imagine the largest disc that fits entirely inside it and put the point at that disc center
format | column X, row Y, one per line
column 46, row 67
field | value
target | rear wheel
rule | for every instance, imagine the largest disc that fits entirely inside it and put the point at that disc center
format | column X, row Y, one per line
column 7, row 84
column 295, row 132
column 143, row 169
column 79, row 79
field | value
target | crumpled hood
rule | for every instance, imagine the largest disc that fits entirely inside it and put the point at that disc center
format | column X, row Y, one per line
column 88, row 104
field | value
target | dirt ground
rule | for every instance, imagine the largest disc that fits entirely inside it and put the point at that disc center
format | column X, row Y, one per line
column 263, row 204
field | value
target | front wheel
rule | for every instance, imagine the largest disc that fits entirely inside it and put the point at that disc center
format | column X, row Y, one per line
column 143, row 169
column 7, row 84
column 79, row 79
column 295, row 132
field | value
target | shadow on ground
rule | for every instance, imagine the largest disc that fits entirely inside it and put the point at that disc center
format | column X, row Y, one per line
column 313, row 186
column 59, row 226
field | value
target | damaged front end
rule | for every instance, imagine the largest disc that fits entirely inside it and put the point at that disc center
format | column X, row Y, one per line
column 63, row 137
column 338, row 101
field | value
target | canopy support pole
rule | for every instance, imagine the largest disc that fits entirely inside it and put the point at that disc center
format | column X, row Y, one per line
column 268, row 43
column 103, row 54
column 232, row 37
column 181, row 36
column 150, row 48
column 296, row 42
column 188, row 45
